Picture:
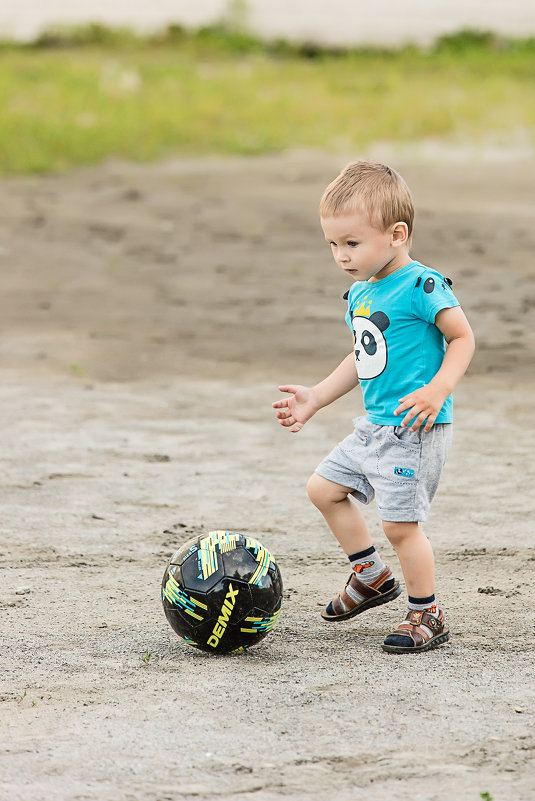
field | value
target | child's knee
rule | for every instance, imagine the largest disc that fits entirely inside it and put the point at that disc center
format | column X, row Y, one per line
column 323, row 493
column 316, row 490
column 397, row 532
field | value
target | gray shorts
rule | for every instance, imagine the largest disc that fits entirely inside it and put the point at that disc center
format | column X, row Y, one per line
column 401, row 468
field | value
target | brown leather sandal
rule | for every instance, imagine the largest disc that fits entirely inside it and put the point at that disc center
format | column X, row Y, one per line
column 420, row 631
column 374, row 594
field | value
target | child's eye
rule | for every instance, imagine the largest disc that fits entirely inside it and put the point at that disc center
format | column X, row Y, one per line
column 352, row 243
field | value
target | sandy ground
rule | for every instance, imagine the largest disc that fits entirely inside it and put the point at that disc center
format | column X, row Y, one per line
column 147, row 315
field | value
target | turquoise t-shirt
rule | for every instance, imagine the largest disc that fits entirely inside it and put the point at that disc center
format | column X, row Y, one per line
column 398, row 347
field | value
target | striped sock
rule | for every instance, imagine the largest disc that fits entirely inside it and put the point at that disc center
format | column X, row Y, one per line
column 367, row 566
column 428, row 604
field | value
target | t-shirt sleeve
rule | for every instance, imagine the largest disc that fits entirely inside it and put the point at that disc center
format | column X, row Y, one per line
column 432, row 293
column 348, row 319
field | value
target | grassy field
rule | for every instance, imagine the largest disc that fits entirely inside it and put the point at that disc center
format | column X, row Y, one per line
column 80, row 97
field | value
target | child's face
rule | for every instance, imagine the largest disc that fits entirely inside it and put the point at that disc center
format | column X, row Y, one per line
column 362, row 251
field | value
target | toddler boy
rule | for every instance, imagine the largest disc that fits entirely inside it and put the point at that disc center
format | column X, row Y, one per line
column 412, row 344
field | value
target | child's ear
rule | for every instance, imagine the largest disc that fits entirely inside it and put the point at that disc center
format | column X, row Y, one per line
column 400, row 234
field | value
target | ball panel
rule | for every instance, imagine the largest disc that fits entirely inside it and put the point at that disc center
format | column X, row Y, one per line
column 239, row 564
column 184, row 551
column 267, row 593
column 179, row 625
column 233, row 595
column 257, row 622
column 229, row 601
column 207, row 641
column 195, row 577
column 262, row 557
column 184, row 610
column 266, row 602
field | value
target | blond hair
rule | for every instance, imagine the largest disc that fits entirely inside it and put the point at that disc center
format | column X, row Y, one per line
column 373, row 188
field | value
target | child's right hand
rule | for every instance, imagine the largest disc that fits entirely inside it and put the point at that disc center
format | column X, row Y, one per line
column 293, row 412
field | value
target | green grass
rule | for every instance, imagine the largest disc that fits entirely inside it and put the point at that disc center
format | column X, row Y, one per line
column 77, row 97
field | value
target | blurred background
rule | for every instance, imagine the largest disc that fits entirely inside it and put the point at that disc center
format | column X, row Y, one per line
column 82, row 81
column 346, row 22
column 163, row 159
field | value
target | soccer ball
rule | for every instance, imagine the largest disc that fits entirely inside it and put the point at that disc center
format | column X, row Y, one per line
column 222, row 592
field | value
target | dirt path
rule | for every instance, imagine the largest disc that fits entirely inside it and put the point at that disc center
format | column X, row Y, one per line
column 147, row 315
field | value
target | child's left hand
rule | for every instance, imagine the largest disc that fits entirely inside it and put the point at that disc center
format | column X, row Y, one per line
column 423, row 405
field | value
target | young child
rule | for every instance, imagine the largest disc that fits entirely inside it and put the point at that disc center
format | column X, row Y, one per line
column 412, row 344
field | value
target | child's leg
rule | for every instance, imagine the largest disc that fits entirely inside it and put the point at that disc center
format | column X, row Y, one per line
column 424, row 627
column 415, row 556
column 371, row 582
column 342, row 515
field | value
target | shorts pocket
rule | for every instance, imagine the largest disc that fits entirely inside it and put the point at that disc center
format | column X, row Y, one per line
column 399, row 457
column 405, row 437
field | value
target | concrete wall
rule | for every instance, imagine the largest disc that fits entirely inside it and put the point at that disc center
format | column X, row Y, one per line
column 334, row 21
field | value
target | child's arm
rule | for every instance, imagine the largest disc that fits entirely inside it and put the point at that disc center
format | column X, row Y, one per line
column 427, row 401
column 304, row 402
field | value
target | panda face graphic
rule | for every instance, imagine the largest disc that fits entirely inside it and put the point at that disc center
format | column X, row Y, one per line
column 371, row 352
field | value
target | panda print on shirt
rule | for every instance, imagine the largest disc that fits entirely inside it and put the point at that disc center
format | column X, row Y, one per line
column 371, row 347
column 371, row 351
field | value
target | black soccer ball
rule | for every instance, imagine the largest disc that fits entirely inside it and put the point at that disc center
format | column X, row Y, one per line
column 222, row 592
